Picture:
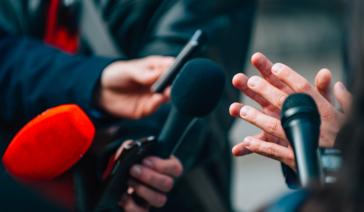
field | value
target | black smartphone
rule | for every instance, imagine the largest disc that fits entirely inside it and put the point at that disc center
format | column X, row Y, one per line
column 116, row 175
column 196, row 41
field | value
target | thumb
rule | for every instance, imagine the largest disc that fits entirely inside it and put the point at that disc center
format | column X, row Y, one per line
column 343, row 96
column 323, row 83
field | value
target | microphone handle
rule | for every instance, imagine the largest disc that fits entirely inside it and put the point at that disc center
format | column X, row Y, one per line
column 304, row 136
column 171, row 135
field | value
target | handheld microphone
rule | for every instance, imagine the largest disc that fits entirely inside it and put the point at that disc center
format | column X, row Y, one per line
column 195, row 93
column 49, row 144
column 301, row 122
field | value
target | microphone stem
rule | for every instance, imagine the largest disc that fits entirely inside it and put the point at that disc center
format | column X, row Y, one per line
column 171, row 134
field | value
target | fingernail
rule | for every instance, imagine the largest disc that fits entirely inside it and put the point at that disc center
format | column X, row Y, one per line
column 342, row 86
column 136, row 171
column 148, row 163
column 277, row 68
column 244, row 111
column 253, row 81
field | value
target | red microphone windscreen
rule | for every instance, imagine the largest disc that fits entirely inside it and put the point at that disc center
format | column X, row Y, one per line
column 50, row 144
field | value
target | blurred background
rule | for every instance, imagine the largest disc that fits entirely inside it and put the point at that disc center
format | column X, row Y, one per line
column 307, row 35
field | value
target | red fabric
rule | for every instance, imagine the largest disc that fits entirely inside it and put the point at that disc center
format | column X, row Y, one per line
column 59, row 36
column 50, row 144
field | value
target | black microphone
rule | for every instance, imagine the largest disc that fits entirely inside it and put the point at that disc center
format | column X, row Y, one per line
column 301, row 123
column 195, row 93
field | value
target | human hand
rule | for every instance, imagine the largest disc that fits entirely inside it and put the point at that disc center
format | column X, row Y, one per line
column 125, row 87
column 151, row 181
column 270, row 92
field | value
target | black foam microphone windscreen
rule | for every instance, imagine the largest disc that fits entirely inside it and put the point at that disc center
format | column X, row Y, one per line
column 301, row 122
column 195, row 93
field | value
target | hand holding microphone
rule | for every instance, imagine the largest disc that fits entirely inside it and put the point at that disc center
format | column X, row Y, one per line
column 151, row 180
column 270, row 91
column 195, row 93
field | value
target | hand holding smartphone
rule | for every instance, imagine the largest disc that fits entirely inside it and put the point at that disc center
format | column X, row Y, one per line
column 196, row 41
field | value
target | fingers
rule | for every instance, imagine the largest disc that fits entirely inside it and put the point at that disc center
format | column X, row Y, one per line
column 323, row 83
column 291, row 78
column 271, row 150
column 240, row 150
column 234, row 109
column 299, row 84
column 160, row 63
column 167, row 92
column 128, row 204
column 264, row 122
column 264, row 66
column 240, row 82
column 153, row 104
column 154, row 198
column 171, row 167
column 151, row 68
column 152, row 178
column 146, row 77
column 343, row 96
column 272, row 94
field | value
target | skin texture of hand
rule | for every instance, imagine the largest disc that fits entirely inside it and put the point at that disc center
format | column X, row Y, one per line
column 125, row 87
column 270, row 91
column 151, row 180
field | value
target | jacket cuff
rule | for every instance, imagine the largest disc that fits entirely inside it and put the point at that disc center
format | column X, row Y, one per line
column 88, row 86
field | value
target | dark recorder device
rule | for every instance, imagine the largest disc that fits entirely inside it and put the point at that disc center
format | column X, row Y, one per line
column 197, row 40
column 195, row 93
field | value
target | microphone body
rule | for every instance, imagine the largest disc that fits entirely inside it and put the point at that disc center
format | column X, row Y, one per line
column 301, row 123
column 173, row 130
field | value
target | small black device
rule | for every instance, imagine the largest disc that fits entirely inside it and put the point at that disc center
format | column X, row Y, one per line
column 132, row 152
column 196, row 41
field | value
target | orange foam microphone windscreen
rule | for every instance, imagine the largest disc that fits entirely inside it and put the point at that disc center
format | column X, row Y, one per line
column 49, row 144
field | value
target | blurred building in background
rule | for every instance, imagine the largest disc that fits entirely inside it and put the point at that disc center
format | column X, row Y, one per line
column 307, row 35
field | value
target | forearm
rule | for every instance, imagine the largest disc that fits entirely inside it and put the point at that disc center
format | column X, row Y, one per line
column 34, row 77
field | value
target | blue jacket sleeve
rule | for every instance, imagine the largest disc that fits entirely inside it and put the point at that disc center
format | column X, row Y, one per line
column 34, row 77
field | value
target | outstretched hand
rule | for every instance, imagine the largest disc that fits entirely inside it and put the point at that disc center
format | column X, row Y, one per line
column 270, row 91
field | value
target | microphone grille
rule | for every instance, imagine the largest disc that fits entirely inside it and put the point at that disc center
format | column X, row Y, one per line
column 298, row 100
column 298, row 104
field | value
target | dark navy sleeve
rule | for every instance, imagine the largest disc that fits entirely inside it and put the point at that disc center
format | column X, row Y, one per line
column 35, row 76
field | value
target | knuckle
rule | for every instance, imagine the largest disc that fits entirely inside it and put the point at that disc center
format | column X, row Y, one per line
column 304, row 87
column 281, row 101
column 271, row 151
column 326, row 115
column 151, row 179
column 272, row 126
